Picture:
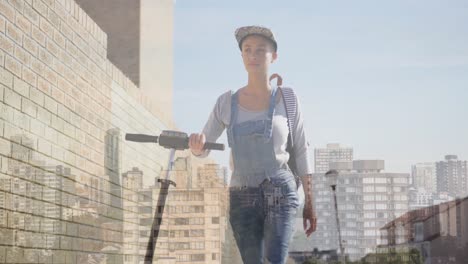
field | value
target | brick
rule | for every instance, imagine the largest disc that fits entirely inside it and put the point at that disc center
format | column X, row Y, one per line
column 81, row 16
column 30, row 45
column 2, row 24
column 77, row 27
column 93, row 44
column 64, row 85
column 18, row 4
column 63, row 112
column 6, row 111
column 66, row 31
column 72, row 49
column 88, row 24
column 65, row 59
column 37, row 66
column 62, row 3
column 22, row 55
column 44, row 116
column 59, row 39
column 59, row 8
column 46, row 27
column 36, row 96
column 51, row 134
column 38, row 36
column 22, row 120
column 57, row 94
column 57, row 123
column 80, row 43
column 5, row 147
column 68, row 5
column 31, row 14
column 50, row 76
column 62, row 140
column 6, row 44
column 28, row 107
column 50, row 105
column 45, row 147
column 79, row 69
column 69, row 130
column 21, row 87
column 83, row 59
column 2, row 88
column 7, row 10
column 70, row 103
column 71, row 76
column 102, row 51
column 75, row 10
column 40, row 7
column 14, row 33
column 43, row 85
column 52, row 48
column 23, row 24
column 45, row 56
column 12, row 99
column 29, row 76
column 13, row 65
column 59, row 67
column 53, row 18
column 6, row 78
column 50, row 3
column 37, row 127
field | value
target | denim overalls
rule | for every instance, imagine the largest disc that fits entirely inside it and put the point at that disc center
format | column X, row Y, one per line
column 264, row 203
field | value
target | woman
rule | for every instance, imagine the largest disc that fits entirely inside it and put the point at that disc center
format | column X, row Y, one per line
column 263, row 191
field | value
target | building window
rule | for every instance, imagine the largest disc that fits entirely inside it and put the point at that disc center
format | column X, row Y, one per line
column 197, row 257
column 197, row 245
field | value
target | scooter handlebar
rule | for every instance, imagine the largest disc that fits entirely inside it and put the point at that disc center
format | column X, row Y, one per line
column 141, row 138
column 214, row 146
column 177, row 141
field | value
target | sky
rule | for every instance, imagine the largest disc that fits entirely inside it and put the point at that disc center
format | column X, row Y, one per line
column 387, row 78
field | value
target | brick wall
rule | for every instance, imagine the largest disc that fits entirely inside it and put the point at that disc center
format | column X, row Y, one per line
column 63, row 111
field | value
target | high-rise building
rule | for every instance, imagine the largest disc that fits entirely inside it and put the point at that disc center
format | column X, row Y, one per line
column 452, row 176
column 212, row 175
column 133, row 47
column 332, row 153
column 132, row 186
column 367, row 199
column 423, row 176
column 419, row 198
column 191, row 223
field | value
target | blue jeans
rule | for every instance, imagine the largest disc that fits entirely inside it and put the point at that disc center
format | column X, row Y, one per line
column 262, row 219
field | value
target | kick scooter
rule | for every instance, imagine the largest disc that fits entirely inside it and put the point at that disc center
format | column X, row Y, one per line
column 172, row 140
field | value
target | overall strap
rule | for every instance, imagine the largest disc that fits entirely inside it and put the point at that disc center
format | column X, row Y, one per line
column 271, row 112
column 290, row 102
column 232, row 121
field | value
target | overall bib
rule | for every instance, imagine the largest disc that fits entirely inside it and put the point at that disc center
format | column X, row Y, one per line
column 264, row 198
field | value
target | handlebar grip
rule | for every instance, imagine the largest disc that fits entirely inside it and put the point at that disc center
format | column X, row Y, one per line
column 141, row 138
column 214, row 146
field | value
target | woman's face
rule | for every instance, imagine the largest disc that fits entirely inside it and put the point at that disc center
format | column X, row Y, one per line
column 257, row 53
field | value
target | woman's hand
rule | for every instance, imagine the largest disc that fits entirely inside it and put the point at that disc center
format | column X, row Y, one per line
column 196, row 143
column 310, row 219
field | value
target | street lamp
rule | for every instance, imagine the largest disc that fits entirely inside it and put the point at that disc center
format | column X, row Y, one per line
column 332, row 176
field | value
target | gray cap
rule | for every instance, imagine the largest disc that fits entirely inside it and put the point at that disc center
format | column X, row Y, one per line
column 242, row 32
